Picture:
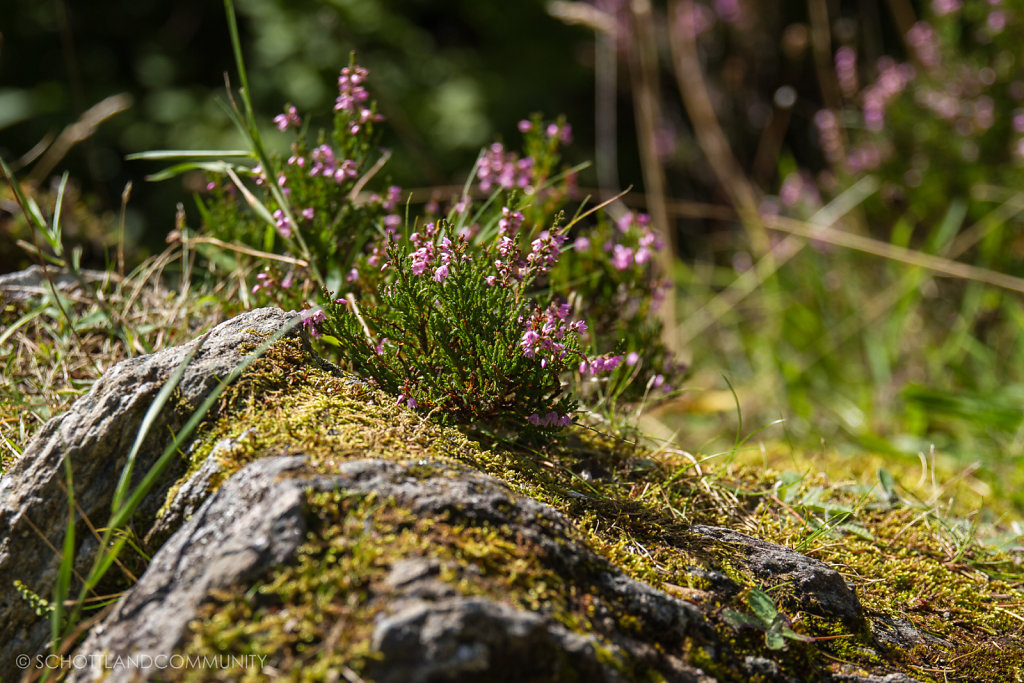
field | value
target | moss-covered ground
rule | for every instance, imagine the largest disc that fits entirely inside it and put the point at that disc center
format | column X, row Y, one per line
column 912, row 563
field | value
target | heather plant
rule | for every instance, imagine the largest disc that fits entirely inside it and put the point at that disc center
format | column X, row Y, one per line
column 611, row 269
column 467, row 314
column 455, row 329
column 319, row 214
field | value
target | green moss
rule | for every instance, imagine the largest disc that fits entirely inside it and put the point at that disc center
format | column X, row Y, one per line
column 631, row 505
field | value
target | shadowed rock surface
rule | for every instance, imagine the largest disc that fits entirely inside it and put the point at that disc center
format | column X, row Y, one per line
column 97, row 434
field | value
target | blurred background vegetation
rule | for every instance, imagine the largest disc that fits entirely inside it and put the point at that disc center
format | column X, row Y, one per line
column 840, row 179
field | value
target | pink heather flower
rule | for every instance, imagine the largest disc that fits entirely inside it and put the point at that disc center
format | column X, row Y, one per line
column 507, row 171
column 529, row 343
column 551, row 419
column 324, row 162
column 468, row 232
column 392, row 220
column 407, row 400
column 290, row 117
column 921, row 37
column 351, row 93
column 284, row 226
column 307, row 213
column 846, row 70
column 545, row 251
column 546, row 331
column 943, row 7
column 352, row 275
column 563, row 132
column 394, row 194
column 581, row 244
column 632, row 358
column 622, row 257
column 996, row 21
column 441, row 273
column 421, row 259
column 792, row 188
column 1018, row 121
column 828, row 133
column 600, row 364
column 263, row 281
column 525, row 126
column 311, row 320
column 509, row 222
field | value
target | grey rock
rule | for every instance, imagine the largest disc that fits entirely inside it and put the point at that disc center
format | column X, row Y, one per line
column 816, row 587
column 96, row 435
column 25, row 284
column 429, row 632
column 253, row 522
column 471, row 639
column 194, row 491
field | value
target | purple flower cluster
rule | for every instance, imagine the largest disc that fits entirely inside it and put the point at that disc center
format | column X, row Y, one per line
column 846, row 71
column 436, row 257
column 551, row 419
column 562, row 132
column 511, row 264
column 311, row 321
column 506, row 170
column 544, row 252
column 922, row 38
column 268, row 282
column 941, row 7
column 693, row 20
column 327, row 165
column 284, row 226
column 893, row 79
column 636, row 226
column 290, row 118
column 351, row 93
column 828, row 133
column 600, row 364
column 352, row 98
column 546, row 331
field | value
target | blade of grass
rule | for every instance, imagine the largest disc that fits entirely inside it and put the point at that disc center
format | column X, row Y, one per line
column 67, row 563
column 167, row 154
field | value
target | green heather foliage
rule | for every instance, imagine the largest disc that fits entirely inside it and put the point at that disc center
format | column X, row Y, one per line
column 448, row 334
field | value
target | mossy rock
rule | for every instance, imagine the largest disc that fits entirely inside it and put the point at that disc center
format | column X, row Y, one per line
column 321, row 531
